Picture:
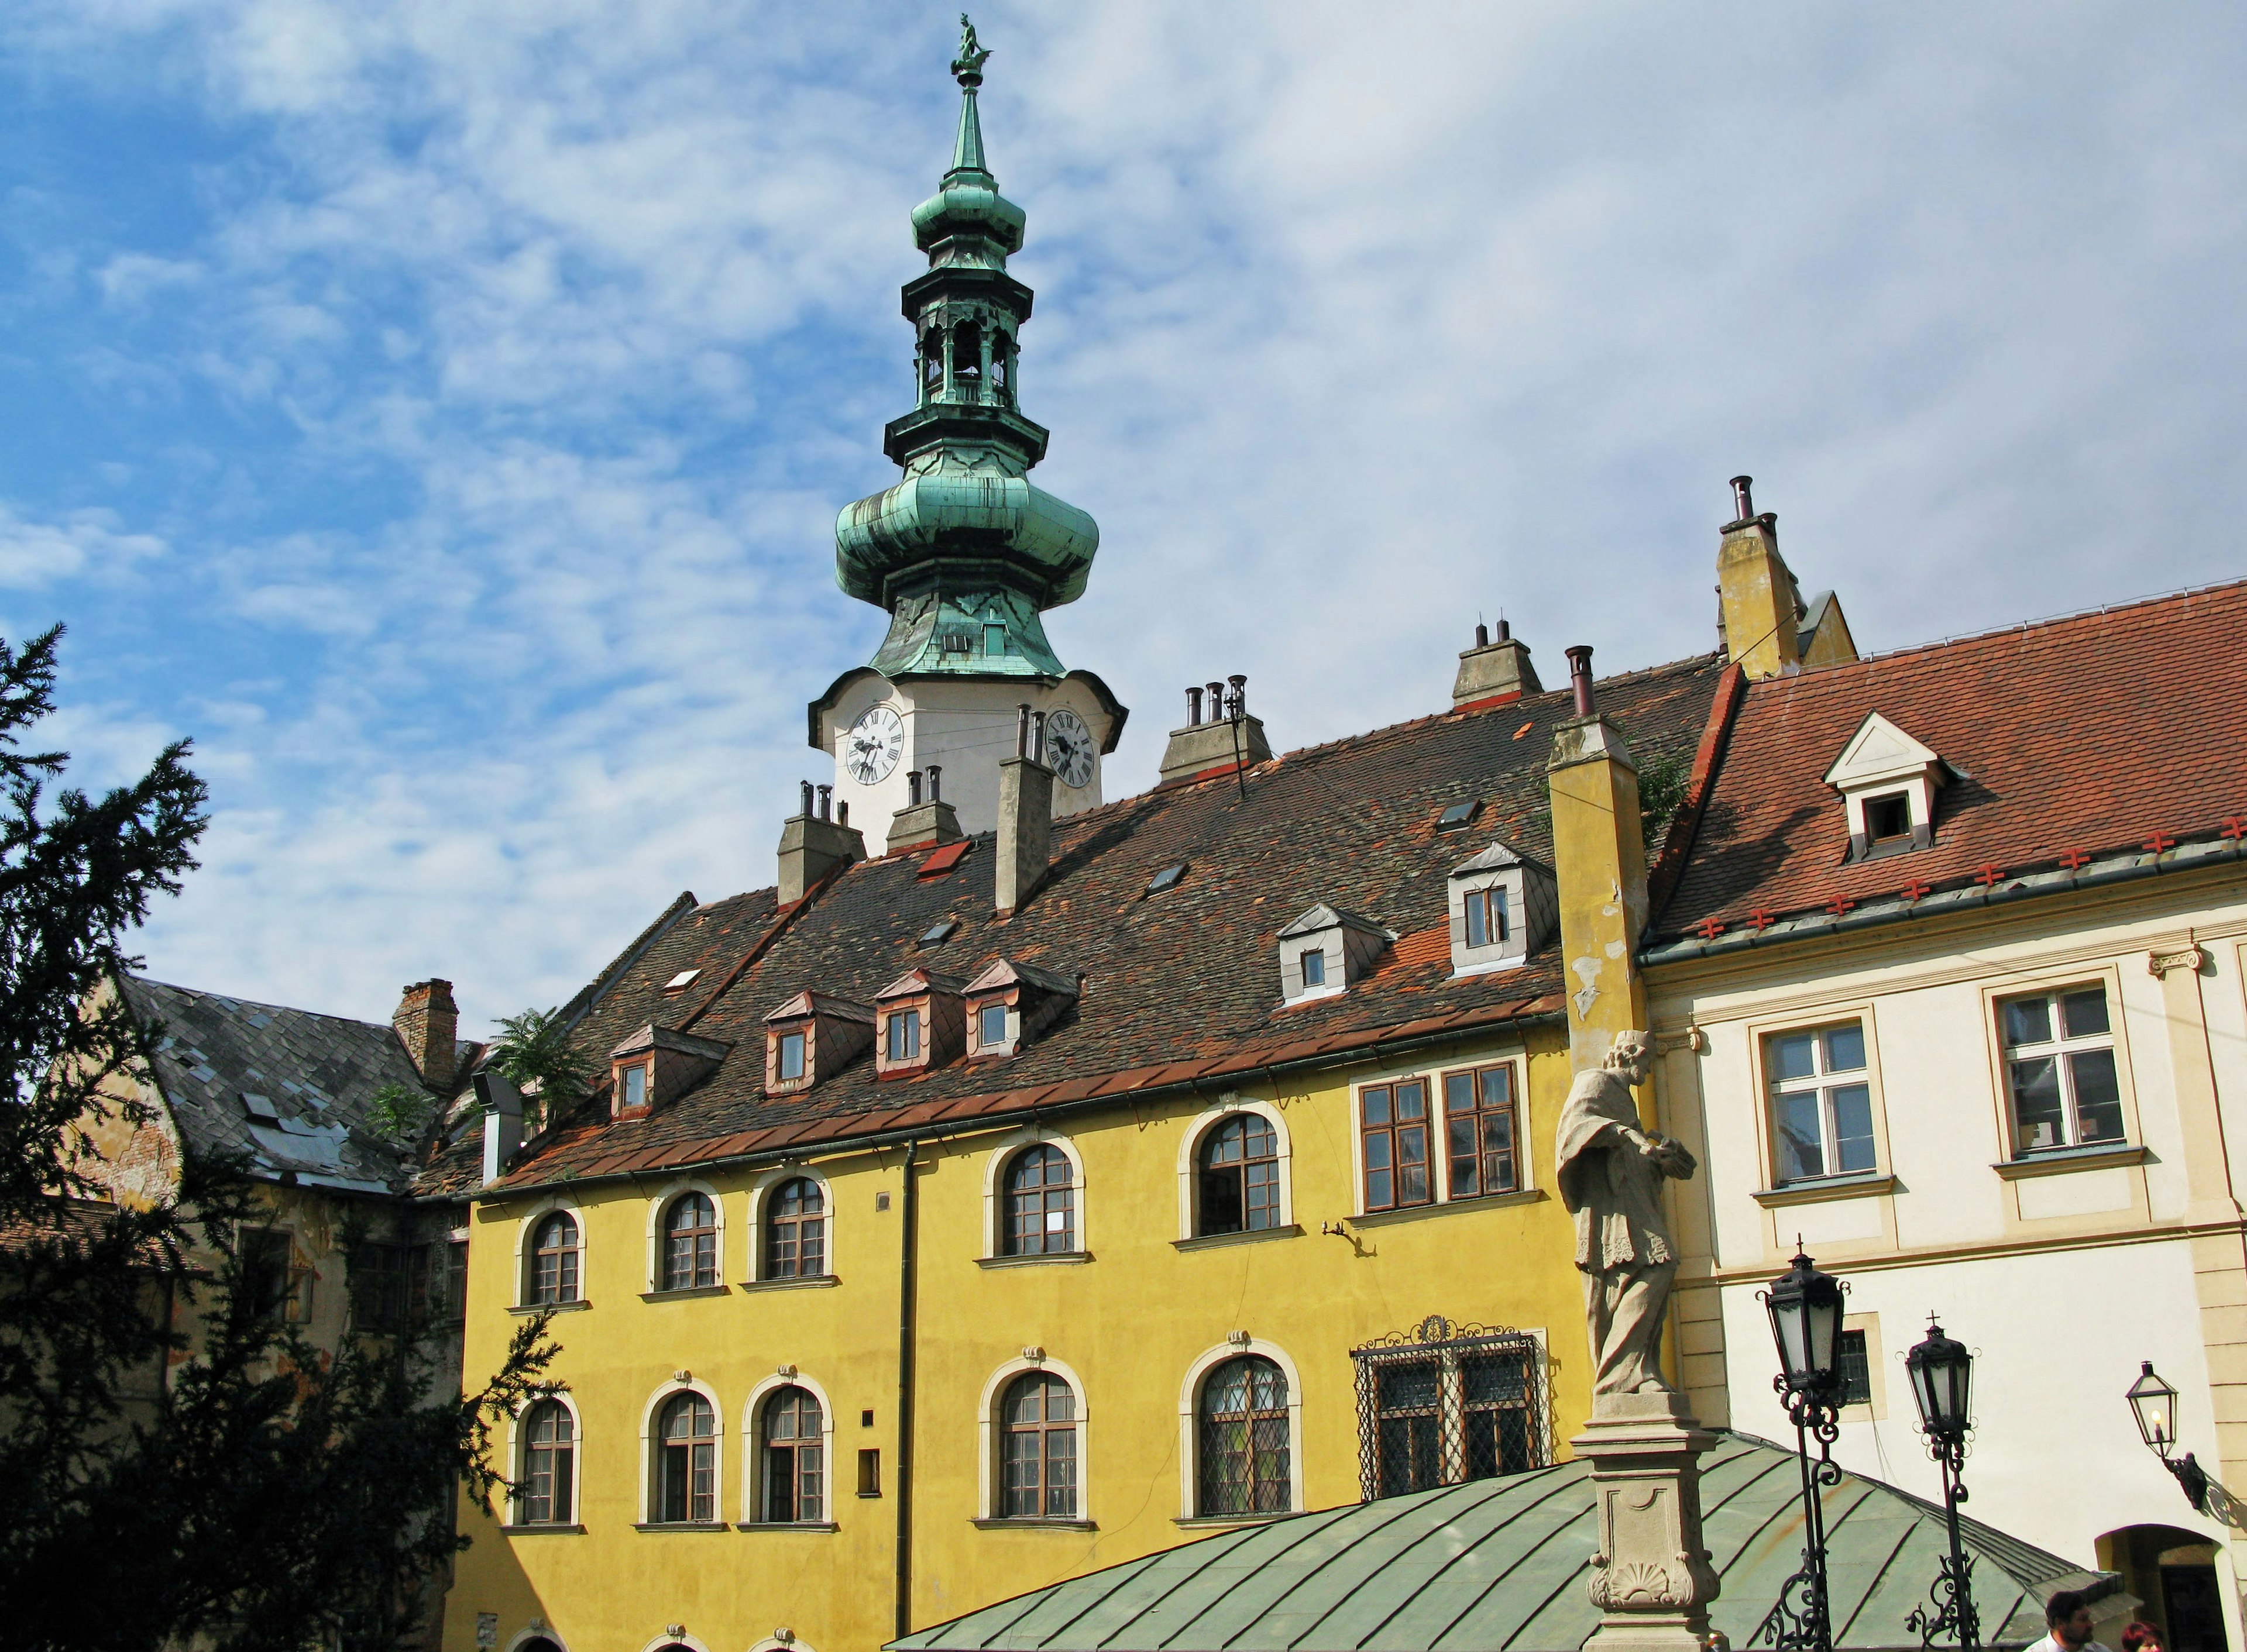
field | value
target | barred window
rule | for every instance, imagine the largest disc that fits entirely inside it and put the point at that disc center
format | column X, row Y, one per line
column 1442, row 1404
column 686, row 1461
column 794, row 1465
column 1242, row 1464
column 1393, row 1127
column 690, row 1242
column 1240, row 1177
column 1478, row 1125
column 549, row 1452
column 1040, row 1203
column 796, row 1231
column 554, row 1261
column 1038, row 1422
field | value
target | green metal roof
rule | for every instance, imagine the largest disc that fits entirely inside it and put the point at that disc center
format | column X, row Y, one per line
column 1499, row 1565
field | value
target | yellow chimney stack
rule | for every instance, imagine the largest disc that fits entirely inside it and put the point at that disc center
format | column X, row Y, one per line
column 1599, row 862
column 1763, row 609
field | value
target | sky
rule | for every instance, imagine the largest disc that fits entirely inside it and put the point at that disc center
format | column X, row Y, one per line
column 437, row 410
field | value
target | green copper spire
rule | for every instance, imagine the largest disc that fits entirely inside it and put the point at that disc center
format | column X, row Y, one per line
column 964, row 553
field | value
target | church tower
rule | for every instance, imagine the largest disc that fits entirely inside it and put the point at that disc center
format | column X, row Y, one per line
column 964, row 553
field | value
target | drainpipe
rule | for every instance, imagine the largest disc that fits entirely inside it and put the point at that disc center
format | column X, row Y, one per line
column 907, row 1265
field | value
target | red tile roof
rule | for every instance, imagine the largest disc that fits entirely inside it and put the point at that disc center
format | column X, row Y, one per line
column 2089, row 733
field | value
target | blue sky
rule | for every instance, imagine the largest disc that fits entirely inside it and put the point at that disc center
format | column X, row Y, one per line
column 439, row 411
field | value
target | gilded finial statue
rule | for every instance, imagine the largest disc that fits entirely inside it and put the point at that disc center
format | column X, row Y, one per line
column 967, row 67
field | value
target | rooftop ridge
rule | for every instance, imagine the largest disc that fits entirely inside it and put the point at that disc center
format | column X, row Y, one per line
column 259, row 1003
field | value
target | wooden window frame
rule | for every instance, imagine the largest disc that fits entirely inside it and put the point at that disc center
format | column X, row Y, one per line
column 1252, row 1419
column 1386, row 1138
column 783, row 1471
column 536, row 1293
column 772, row 1219
column 704, row 1268
column 1046, row 1431
column 1490, row 900
column 561, row 1500
column 1206, row 1173
column 697, row 1458
column 1013, row 1240
column 1480, row 1117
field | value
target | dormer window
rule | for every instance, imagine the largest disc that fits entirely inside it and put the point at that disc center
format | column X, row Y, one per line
column 812, row 1038
column 1887, row 781
column 1009, row 1004
column 656, row 1066
column 923, row 1017
column 635, row 1097
column 1504, row 905
column 1326, row 949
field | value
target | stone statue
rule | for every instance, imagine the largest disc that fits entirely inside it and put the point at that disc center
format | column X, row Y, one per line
column 1611, row 1173
column 967, row 67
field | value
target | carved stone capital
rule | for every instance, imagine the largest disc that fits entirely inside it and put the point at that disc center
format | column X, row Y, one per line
column 2192, row 957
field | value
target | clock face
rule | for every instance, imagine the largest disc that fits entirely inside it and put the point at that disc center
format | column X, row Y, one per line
column 1068, row 747
column 872, row 746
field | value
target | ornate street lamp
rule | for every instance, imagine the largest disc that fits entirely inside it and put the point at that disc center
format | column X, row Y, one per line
column 1806, row 1321
column 2153, row 1403
column 1942, row 1373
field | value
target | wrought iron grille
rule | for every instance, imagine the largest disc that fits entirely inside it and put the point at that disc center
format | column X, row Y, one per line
column 1442, row 1403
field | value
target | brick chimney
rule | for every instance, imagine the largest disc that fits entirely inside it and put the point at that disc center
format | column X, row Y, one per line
column 428, row 1024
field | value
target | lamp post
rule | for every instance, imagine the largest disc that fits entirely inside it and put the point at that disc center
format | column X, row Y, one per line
column 2153, row 1403
column 1942, row 1374
column 1804, row 1307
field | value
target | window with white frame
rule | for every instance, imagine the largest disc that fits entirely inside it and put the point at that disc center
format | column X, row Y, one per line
column 1485, row 916
column 1038, row 1454
column 1821, row 1102
column 2059, row 1069
column 904, row 1034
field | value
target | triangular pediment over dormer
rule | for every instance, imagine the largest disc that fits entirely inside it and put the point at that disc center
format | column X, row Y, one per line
column 1879, row 751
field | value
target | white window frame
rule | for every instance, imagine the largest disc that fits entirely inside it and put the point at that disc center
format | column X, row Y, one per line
column 753, row 1450
column 526, row 1230
column 1190, row 1432
column 1190, row 1161
column 988, row 1433
column 1820, row 1084
column 657, row 1208
column 994, row 1190
column 761, row 1191
column 2060, row 1046
column 518, row 1444
column 648, row 1415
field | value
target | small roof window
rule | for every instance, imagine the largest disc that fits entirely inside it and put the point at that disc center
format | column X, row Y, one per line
column 937, row 933
column 1167, row 878
column 942, row 860
column 1458, row 815
column 681, row 981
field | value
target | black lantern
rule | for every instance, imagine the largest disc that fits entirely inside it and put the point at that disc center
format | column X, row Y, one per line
column 1805, row 1321
column 1941, row 1371
column 2153, row 1403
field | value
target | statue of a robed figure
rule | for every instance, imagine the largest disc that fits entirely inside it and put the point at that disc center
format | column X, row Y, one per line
column 1611, row 1172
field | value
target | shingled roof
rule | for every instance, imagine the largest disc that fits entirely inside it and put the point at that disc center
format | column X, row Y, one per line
column 1179, row 987
column 2109, row 740
column 310, row 1080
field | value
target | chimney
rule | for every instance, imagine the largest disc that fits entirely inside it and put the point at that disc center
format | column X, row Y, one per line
column 1492, row 672
column 926, row 819
column 1580, row 677
column 810, row 847
column 1599, row 854
column 1024, row 816
column 428, row 1024
column 1219, row 736
column 501, row 1105
column 1761, row 605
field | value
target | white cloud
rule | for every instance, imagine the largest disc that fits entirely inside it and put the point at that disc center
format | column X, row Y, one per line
column 81, row 544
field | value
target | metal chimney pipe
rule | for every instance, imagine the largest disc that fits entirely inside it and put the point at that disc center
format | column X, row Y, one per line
column 1580, row 677
column 1236, row 705
column 825, row 792
column 1482, row 635
column 1743, row 502
column 1214, row 700
column 1022, row 729
column 912, row 789
column 1504, row 630
column 1193, row 707
column 935, row 784
column 806, row 810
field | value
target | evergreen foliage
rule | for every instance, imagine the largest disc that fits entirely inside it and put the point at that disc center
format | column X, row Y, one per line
column 178, row 1464
column 534, row 1051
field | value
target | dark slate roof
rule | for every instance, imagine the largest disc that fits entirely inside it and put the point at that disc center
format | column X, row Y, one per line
column 2069, row 740
column 1179, row 987
column 319, row 1073
column 1500, row 1566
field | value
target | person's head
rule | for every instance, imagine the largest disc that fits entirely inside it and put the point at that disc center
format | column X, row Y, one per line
column 2068, row 1615
column 2141, row 1636
column 1630, row 1055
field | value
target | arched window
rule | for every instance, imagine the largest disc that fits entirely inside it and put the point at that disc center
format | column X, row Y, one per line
column 686, row 1461
column 966, row 357
column 796, row 1231
column 1037, row 1473
column 1239, row 1175
column 554, row 1261
column 549, row 1463
column 795, row 1466
column 1241, row 1430
column 1039, row 1218
column 690, row 1242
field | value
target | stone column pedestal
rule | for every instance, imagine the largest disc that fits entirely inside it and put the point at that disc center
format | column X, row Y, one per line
column 1651, row 1578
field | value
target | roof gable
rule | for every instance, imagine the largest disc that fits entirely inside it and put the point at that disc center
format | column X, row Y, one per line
column 1878, row 751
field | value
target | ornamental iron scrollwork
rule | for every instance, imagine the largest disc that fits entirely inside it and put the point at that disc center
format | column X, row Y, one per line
column 1445, row 1402
column 1801, row 1619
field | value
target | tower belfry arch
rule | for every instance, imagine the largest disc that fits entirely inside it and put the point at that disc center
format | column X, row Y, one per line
column 963, row 552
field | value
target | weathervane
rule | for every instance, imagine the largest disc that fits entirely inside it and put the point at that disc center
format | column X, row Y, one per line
column 967, row 67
